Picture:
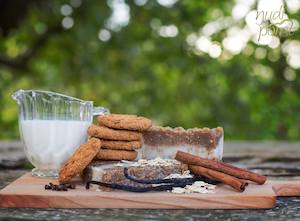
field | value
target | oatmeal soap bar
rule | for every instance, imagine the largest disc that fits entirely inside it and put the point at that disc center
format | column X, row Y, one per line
column 113, row 172
column 164, row 142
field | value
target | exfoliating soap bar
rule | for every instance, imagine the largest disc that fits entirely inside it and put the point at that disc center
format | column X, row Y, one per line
column 113, row 172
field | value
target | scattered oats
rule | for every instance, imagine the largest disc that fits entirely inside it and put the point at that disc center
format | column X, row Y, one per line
column 200, row 183
column 211, row 187
column 178, row 190
column 196, row 187
column 154, row 162
column 185, row 174
column 120, row 164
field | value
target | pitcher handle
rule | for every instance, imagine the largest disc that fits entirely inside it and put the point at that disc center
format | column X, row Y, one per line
column 100, row 111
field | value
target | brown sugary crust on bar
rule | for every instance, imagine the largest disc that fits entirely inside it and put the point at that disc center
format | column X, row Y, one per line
column 121, row 145
column 125, row 122
column 111, row 134
column 79, row 160
column 106, row 154
column 157, row 136
column 219, row 132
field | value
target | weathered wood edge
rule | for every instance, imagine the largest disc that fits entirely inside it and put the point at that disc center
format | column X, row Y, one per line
column 286, row 187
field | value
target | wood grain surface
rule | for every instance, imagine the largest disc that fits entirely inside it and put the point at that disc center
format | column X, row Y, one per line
column 28, row 192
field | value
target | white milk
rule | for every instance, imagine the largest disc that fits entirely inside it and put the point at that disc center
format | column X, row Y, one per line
column 49, row 143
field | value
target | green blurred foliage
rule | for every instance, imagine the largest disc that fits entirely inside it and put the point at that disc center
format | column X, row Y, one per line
column 137, row 71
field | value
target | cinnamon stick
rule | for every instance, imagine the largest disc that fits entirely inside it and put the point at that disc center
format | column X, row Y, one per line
column 235, row 183
column 220, row 166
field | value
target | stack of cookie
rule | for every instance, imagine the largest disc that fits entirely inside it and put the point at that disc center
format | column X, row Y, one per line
column 120, row 135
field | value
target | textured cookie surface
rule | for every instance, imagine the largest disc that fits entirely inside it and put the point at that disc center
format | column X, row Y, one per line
column 111, row 134
column 79, row 160
column 126, row 122
column 121, row 145
column 107, row 154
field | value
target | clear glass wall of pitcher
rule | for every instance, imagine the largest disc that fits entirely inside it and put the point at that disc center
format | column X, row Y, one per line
column 52, row 126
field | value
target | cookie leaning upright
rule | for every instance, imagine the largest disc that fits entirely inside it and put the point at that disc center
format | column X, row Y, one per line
column 125, row 122
column 79, row 160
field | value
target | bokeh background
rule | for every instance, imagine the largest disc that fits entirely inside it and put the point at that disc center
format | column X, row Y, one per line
column 183, row 63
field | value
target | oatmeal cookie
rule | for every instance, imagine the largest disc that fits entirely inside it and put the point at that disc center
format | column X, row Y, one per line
column 125, row 122
column 111, row 134
column 106, row 154
column 79, row 160
column 121, row 145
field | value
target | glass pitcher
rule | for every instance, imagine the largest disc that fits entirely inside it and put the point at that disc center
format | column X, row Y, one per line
column 52, row 126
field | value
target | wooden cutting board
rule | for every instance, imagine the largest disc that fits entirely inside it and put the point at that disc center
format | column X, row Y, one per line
column 28, row 191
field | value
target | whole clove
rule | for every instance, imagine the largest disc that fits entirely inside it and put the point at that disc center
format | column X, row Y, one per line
column 60, row 187
column 48, row 187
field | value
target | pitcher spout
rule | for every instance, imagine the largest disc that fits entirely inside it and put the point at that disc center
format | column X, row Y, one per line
column 17, row 96
column 47, row 105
